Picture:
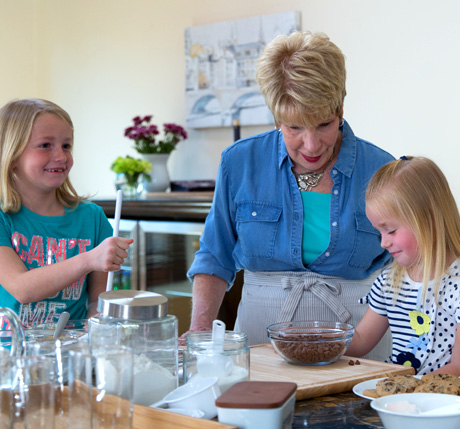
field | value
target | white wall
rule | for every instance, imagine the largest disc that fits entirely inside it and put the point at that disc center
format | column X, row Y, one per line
column 18, row 50
column 106, row 61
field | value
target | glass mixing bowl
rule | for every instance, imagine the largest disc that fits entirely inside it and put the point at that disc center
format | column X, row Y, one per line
column 310, row 342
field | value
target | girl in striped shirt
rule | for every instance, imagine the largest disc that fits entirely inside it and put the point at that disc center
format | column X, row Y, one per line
column 410, row 203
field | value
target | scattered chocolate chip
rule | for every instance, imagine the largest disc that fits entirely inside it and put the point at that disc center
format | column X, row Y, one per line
column 350, row 362
column 357, row 362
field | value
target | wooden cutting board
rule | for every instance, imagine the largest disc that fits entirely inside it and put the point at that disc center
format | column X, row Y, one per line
column 313, row 381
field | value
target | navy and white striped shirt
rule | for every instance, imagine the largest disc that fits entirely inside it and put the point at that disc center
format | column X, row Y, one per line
column 423, row 332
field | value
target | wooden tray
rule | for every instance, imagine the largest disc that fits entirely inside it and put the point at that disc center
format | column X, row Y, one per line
column 149, row 418
column 313, row 381
column 143, row 417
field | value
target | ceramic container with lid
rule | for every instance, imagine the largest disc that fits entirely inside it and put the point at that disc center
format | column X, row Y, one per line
column 140, row 320
column 258, row 404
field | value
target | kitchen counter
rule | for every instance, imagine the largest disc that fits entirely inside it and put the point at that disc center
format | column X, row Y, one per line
column 176, row 206
column 324, row 392
column 339, row 411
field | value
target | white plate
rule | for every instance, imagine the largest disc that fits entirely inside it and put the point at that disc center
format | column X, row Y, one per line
column 359, row 388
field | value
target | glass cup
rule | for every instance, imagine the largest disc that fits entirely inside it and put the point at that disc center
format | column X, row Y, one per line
column 230, row 363
column 57, row 352
column 26, row 393
column 100, row 388
column 15, row 333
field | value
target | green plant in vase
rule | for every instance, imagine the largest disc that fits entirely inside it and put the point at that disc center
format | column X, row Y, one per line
column 130, row 169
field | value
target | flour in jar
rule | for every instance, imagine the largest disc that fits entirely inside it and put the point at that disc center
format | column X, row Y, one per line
column 238, row 374
column 151, row 382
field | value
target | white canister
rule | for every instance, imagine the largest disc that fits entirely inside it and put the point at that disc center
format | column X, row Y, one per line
column 258, row 404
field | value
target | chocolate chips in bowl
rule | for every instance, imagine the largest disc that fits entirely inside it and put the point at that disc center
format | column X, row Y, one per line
column 310, row 342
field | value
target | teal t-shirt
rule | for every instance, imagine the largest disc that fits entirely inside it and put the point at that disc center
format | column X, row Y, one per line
column 43, row 240
column 316, row 228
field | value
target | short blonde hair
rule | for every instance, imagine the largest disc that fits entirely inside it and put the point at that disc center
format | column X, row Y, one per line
column 302, row 77
column 415, row 191
column 16, row 121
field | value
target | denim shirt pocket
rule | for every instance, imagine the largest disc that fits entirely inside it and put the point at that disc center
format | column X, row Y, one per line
column 366, row 246
column 257, row 224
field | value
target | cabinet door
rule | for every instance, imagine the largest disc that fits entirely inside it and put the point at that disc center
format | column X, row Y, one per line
column 166, row 251
column 128, row 276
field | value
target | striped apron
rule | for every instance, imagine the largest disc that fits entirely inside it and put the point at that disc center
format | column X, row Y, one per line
column 283, row 296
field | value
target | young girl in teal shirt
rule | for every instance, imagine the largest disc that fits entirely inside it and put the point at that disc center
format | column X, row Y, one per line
column 55, row 247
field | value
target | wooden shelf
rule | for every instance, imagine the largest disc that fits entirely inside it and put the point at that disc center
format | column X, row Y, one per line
column 176, row 206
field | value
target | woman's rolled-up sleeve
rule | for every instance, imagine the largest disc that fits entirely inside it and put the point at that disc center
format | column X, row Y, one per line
column 215, row 256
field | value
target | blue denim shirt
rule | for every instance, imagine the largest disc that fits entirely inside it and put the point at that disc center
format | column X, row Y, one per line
column 255, row 221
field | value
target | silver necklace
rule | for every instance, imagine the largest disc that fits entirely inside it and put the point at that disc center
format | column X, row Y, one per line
column 307, row 181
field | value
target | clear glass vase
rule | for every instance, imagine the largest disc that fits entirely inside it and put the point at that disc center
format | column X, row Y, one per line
column 131, row 188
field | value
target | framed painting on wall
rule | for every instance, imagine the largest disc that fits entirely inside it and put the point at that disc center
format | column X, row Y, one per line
column 221, row 61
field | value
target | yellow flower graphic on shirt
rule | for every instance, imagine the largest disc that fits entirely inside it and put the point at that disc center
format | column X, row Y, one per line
column 419, row 322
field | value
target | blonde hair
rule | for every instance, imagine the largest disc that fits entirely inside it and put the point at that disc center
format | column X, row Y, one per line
column 415, row 191
column 302, row 77
column 16, row 121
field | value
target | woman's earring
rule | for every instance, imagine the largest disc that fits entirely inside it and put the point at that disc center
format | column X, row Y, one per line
column 341, row 123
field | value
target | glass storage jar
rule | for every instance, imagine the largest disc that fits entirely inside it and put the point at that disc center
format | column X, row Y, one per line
column 230, row 364
column 140, row 320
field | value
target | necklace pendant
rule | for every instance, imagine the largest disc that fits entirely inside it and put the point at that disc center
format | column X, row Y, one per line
column 307, row 181
column 302, row 185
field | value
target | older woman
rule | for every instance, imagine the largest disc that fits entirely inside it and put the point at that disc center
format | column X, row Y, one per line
column 289, row 203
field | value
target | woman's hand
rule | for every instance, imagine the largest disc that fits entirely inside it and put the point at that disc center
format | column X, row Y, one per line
column 181, row 340
column 208, row 294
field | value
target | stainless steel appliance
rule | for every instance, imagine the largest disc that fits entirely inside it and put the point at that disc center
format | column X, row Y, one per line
column 158, row 262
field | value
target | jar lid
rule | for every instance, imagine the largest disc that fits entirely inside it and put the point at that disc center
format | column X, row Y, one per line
column 257, row 394
column 132, row 304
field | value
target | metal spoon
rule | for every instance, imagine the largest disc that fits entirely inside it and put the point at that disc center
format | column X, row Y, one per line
column 63, row 319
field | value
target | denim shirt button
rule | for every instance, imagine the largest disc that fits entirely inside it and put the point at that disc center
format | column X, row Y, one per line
column 334, row 223
column 254, row 214
column 334, row 172
column 327, row 254
column 336, row 192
